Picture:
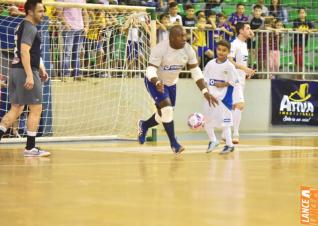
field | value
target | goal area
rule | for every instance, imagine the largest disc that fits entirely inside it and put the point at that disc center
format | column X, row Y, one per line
column 96, row 69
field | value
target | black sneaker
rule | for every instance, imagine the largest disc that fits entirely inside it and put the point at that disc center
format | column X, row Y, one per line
column 227, row 149
column 177, row 148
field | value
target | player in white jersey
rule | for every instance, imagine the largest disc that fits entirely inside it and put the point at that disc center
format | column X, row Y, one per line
column 239, row 57
column 166, row 61
column 222, row 78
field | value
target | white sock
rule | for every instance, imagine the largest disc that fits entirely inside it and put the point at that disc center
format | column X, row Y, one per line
column 3, row 129
column 210, row 131
column 228, row 136
column 237, row 114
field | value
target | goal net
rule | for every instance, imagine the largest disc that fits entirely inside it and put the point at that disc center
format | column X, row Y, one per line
column 96, row 65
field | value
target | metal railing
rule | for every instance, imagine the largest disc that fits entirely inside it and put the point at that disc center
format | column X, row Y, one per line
column 284, row 54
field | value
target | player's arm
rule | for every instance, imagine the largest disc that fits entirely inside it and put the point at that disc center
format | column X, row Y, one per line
column 151, row 72
column 43, row 74
column 26, row 59
column 249, row 72
column 197, row 75
column 234, row 81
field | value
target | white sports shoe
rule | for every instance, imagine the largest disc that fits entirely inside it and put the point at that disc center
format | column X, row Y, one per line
column 212, row 146
column 36, row 152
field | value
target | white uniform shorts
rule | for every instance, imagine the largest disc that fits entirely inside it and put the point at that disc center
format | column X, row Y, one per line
column 218, row 116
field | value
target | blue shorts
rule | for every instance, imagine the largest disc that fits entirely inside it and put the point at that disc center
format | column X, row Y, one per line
column 202, row 50
column 169, row 92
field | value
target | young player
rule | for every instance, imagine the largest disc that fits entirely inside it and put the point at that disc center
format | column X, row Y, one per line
column 222, row 78
column 25, row 86
column 166, row 61
column 239, row 57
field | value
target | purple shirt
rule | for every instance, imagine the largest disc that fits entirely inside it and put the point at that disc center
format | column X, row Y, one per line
column 73, row 16
column 235, row 18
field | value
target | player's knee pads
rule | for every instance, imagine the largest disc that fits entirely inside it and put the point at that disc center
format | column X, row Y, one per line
column 167, row 114
column 158, row 118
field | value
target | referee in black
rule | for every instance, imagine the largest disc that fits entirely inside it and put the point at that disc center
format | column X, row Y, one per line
column 25, row 86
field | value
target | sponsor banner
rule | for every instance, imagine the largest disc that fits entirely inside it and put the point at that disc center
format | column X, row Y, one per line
column 294, row 102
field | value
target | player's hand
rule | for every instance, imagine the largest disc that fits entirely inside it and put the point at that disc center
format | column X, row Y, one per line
column 160, row 86
column 211, row 99
column 44, row 75
column 249, row 72
column 29, row 83
column 239, row 106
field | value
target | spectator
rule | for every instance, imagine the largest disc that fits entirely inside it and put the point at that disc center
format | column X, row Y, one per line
column 301, row 24
column 257, row 23
column 175, row 18
column 162, row 27
column 200, row 13
column 264, row 8
column 213, row 35
column 200, row 43
column 94, row 43
column 189, row 19
column 75, row 22
column 278, row 11
column 224, row 29
column 213, row 5
column 275, row 38
column 238, row 16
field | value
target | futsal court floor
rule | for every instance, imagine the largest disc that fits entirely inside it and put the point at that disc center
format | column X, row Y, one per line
column 120, row 183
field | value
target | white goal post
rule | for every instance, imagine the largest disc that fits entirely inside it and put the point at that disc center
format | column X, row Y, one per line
column 96, row 86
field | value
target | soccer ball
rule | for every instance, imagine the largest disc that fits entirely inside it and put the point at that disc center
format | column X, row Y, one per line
column 195, row 121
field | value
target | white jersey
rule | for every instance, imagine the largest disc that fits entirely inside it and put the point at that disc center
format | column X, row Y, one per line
column 223, row 72
column 239, row 53
column 171, row 61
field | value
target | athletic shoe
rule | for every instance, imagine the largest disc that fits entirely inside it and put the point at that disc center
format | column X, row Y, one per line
column 227, row 149
column 177, row 148
column 212, row 146
column 236, row 139
column 142, row 132
column 36, row 152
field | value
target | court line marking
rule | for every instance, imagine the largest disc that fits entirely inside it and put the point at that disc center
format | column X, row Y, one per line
column 190, row 149
column 174, row 160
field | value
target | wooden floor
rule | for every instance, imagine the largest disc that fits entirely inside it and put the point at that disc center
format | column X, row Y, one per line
column 124, row 184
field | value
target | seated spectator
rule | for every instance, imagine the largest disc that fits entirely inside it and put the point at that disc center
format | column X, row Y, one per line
column 189, row 19
column 162, row 27
column 213, row 5
column 175, row 18
column 238, row 16
column 200, row 42
column 278, row 11
column 264, row 8
column 301, row 24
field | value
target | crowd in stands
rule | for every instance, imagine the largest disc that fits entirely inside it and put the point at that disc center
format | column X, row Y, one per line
column 206, row 24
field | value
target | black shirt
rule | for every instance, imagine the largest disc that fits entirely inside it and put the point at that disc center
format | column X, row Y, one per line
column 305, row 26
column 28, row 34
column 189, row 22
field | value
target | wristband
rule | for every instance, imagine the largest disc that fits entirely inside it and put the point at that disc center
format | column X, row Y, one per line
column 204, row 91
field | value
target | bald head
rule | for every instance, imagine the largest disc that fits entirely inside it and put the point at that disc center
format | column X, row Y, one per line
column 177, row 37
